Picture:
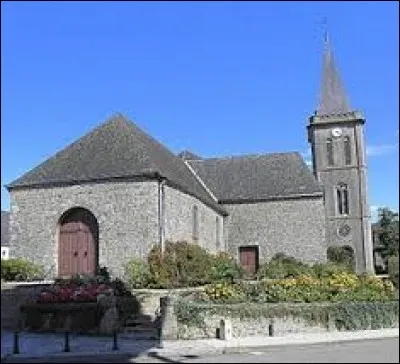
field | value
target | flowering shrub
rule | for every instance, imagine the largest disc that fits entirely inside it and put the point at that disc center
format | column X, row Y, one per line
column 372, row 282
column 340, row 282
column 304, row 288
column 80, row 288
column 223, row 292
column 73, row 293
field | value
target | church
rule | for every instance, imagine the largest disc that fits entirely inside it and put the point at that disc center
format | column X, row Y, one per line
column 116, row 192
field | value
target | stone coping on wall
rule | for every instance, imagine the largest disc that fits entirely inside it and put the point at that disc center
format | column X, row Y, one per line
column 31, row 283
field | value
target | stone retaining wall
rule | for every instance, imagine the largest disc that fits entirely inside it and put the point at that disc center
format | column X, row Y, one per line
column 202, row 321
column 250, row 327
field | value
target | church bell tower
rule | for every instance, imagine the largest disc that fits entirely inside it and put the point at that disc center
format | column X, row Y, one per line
column 336, row 135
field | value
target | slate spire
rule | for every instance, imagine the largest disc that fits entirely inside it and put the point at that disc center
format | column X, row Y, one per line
column 333, row 98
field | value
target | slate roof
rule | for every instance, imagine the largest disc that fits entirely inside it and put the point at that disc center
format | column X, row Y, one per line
column 118, row 149
column 333, row 98
column 257, row 177
column 5, row 223
column 115, row 149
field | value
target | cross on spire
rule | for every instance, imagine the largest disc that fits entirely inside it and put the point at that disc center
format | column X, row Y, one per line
column 333, row 98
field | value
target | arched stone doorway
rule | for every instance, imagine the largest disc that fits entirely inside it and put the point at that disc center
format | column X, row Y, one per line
column 77, row 243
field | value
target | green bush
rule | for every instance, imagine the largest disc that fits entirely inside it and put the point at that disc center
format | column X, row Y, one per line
column 342, row 255
column 137, row 274
column 103, row 274
column 225, row 268
column 325, row 270
column 20, row 270
column 282, row 266
column 341, row 315
column 181, row 265
column 120, row 288
column 393, row 270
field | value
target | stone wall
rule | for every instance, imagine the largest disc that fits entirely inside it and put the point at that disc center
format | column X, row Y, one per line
column 179, row 220
column 127, row 214
column 201, row 320
column 295, row 227
column 250, row 327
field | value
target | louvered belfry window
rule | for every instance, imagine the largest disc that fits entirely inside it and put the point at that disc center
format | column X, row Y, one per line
column 347, row 150
column 329, row 151
column 342, row 194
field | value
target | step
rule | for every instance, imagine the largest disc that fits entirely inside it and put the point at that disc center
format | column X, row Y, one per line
column 138, row 323
column 142, row 333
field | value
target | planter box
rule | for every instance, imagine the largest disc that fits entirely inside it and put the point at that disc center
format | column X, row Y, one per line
column 82, row 317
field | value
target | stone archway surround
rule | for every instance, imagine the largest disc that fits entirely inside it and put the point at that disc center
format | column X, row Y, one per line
column 78, row 234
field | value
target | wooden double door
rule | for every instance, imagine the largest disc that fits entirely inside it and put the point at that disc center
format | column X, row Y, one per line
column 78, row 244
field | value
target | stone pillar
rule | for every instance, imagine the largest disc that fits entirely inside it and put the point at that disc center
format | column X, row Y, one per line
column 169, row 324
column 225, row 329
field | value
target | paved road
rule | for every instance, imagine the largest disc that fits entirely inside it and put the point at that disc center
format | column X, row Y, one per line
column 366, row 351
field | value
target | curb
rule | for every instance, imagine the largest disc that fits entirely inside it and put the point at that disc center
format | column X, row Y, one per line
column 247, row 348
column 13, row 358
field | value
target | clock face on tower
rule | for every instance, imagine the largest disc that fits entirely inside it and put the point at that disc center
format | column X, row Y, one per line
column 336, row 132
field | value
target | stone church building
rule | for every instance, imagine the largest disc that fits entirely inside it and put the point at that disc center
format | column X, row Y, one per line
column 116, row 192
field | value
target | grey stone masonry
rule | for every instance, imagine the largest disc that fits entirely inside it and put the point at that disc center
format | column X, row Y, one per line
column 352, row 174
column 126, row 212
column 295, row 227
column 178, row 220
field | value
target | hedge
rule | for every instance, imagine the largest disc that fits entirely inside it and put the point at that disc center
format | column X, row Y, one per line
column 20, row 270
column 348, row 316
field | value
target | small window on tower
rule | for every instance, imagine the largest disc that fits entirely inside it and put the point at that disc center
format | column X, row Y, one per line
column 347, row 150
column 329, row 151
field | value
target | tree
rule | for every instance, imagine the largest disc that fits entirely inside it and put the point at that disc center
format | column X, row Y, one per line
column 387, row 233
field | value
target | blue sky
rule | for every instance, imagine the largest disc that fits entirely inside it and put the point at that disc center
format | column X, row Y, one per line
column 218, row 78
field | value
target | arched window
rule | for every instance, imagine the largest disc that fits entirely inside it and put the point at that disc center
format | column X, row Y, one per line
column 347, row 150
column 342, row 199
column 195, row 231
column 329, row 151
column 218, row 232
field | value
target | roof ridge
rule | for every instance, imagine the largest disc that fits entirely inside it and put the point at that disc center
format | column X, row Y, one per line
column 252, row 155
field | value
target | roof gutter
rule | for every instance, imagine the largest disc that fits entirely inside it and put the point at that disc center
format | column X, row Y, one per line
column 238, row 201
